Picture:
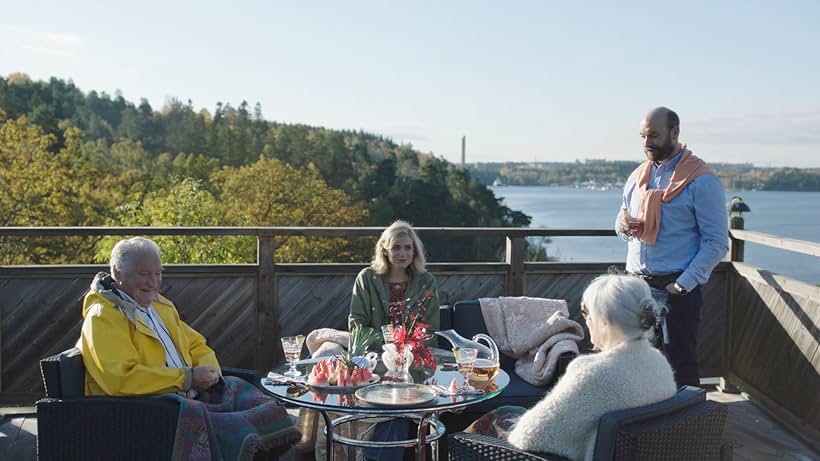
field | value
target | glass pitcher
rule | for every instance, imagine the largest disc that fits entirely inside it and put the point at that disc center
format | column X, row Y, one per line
column 487, row 362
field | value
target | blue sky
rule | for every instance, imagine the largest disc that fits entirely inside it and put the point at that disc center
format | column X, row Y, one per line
column 524, row 80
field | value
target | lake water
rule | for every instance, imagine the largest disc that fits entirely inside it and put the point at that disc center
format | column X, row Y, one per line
column 785, row 214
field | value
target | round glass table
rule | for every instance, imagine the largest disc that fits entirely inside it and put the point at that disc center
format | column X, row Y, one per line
column 353, row 408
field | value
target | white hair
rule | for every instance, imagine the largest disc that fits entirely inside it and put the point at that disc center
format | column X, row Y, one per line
column 625, row 301
column 126, row 252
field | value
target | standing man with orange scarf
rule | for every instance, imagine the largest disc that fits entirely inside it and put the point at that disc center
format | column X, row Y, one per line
column 675, row 222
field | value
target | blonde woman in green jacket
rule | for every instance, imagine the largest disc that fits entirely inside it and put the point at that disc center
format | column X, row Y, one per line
column 396, row 285
column 395, row 289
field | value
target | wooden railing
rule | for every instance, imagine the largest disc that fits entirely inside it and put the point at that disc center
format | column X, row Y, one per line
column 772, row 337
column 774, row 241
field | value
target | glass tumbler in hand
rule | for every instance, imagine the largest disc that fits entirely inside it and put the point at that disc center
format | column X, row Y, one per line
column 292, row 346
column 633, row 223
column 465, row 359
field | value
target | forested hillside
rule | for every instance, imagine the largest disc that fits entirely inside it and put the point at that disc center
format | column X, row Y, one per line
column 73, row 158
column 733, row 176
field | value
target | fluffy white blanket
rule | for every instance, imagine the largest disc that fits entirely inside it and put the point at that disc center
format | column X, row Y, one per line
column 533, row 330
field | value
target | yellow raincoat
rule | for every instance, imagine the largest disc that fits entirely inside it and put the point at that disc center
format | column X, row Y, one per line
column 123, row 356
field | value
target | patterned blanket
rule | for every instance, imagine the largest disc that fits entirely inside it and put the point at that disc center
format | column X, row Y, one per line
column 230, row 422
column 497, row 423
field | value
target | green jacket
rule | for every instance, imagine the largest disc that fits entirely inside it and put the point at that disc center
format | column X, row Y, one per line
column 371, row 294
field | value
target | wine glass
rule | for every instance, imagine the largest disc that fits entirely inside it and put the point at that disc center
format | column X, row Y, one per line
column 634, row 223
column 465, row 358
column 292, row 346
column 387, row 333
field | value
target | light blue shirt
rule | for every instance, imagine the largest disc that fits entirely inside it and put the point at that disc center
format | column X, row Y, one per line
column 694, row 228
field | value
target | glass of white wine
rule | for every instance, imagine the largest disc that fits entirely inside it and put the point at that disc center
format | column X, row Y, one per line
column 387, row 333
column 465, row 359
column 292, row 346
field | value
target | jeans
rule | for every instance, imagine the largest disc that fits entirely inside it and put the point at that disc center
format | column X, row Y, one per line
column 397, row 429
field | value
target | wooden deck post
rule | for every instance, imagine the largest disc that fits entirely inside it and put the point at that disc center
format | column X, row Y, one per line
column 736, row 247
column 515, row 259
column 268, row 346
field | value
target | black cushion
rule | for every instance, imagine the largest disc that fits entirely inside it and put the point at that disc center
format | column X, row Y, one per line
column 467, row 318
column 64, row 374
column 72, row 374
column 445, row 323
column 50, row 370
column 445, row 316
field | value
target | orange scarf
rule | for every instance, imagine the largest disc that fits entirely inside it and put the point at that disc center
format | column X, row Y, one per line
column 688, row 168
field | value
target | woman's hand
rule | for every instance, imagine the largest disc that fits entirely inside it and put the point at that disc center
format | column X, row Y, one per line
column 203, row 377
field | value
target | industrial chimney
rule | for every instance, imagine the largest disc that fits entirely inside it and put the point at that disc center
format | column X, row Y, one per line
column 463, row 151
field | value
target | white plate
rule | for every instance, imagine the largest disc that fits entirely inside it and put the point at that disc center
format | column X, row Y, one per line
column 396, row 394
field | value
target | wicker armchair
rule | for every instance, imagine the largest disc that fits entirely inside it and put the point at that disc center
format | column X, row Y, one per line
column 685, row 427
column 71, row 426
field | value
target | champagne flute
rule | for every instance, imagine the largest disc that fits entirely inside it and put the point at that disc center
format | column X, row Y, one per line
column 465, row 358
column 292, row 346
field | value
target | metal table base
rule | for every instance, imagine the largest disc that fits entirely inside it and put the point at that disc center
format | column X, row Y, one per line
column 427, row 422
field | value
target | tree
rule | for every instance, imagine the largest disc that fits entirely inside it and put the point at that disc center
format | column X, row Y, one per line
column 272, row 193
column 38, row 188
column 182, row 202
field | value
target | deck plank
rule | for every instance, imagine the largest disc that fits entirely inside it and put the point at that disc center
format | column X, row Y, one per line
column 23, row 445
column 756, row 436
column 9, row 429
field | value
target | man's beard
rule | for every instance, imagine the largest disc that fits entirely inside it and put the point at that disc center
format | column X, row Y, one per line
column 662, row 152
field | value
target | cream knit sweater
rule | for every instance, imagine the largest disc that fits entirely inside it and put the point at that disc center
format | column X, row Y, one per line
column 565, row 422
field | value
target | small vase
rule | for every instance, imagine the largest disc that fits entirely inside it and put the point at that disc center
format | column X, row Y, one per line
column 397, row 362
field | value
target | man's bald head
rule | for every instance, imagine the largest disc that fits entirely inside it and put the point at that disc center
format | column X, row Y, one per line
column 659, row 130
column 666, row 113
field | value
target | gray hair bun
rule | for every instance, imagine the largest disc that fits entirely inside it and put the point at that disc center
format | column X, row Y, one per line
column 648, row 318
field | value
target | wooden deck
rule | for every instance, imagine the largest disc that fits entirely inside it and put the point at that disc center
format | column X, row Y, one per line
column 754, row 435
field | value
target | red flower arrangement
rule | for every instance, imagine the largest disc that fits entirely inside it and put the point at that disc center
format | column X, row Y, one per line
column 412, row 332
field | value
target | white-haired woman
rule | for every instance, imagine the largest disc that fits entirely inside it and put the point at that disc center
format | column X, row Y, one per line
column 396, row 282
column 628, row 372
column 133, row 343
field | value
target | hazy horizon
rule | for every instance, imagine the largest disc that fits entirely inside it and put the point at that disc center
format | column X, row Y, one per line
column 529, row 81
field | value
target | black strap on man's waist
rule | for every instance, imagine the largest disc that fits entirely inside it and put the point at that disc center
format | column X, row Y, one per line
column 661, row 280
